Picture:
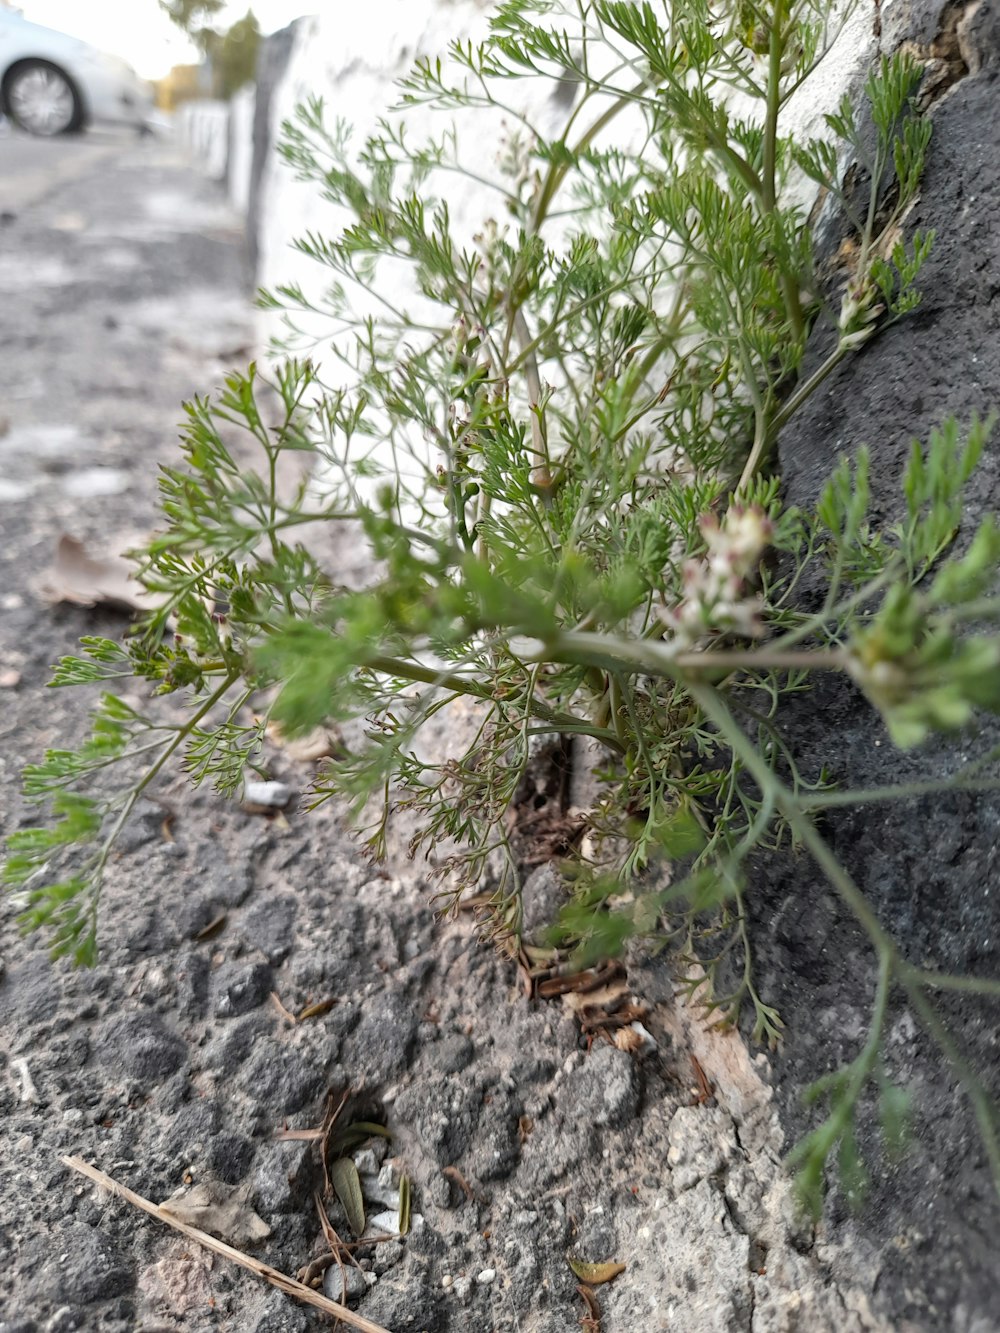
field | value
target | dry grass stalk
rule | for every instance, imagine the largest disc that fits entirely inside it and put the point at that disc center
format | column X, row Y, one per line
column 289, row 1285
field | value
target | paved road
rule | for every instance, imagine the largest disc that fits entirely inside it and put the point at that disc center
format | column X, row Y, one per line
column 32, row 168
column 121, row 294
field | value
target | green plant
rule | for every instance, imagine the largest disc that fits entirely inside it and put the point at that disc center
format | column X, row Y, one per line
column 232, row 53
column 557, row 443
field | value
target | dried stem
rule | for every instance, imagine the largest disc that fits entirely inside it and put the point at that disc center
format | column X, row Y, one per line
column 289, row 1285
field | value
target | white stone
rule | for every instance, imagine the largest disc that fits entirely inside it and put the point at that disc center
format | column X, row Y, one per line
column 92, row 481
column 364, row 1160
column 388, row 1176
column 462, row 1288
column 388, row 1221
column 274, row 795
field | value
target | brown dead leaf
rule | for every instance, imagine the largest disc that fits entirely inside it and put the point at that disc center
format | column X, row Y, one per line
column 606, row 999
column 221, row 1210
column 594, row 1274
column 704, row 1091
column 83, row 579
column 583, row 983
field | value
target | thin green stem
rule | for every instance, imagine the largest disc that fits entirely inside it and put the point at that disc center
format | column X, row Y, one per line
column 931, row 980
column 613, row 652
column 557, row 173
column 777, row 45
column 714, row 708
column 169, row 749
column 858, row 598
column 402, row 669
column 903, row 791
column 806, row 390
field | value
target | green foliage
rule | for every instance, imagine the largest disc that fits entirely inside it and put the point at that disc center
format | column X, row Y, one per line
column 231, row 53
column 553, row 442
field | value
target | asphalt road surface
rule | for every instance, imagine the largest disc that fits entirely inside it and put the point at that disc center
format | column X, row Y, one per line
column 31, row 168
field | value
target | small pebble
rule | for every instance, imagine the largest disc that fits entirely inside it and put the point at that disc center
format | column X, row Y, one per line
column 447, row 1280
column 272, row 795
column 387, row 1256
column 364, row 1160
column 333, row 1282
column 388, row 1222
column 463, row 1288
column 486, row 1276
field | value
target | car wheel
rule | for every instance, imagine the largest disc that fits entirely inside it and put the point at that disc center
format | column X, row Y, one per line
column 41, row 99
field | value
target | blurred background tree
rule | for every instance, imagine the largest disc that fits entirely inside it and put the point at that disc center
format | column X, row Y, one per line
column 231, row 52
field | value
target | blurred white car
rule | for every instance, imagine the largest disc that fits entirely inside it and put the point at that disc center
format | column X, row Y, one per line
column 54, row 84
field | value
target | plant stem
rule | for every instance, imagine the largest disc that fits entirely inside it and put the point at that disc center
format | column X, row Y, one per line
column 407, row 670
column 904, row 791
column 712, row 705
column 171, row 747
column 611, row 651
column 556, row 174
column 928, row 979
column 805, row 391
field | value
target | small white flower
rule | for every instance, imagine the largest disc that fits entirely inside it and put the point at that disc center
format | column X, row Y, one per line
column 714, row 585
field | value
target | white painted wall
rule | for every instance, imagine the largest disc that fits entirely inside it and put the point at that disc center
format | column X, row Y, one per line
column 203, row 129
column 353, row 64
column 240, row 146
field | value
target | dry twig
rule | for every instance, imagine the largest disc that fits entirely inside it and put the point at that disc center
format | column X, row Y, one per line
column 285, row 1013
column 289, row 1285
